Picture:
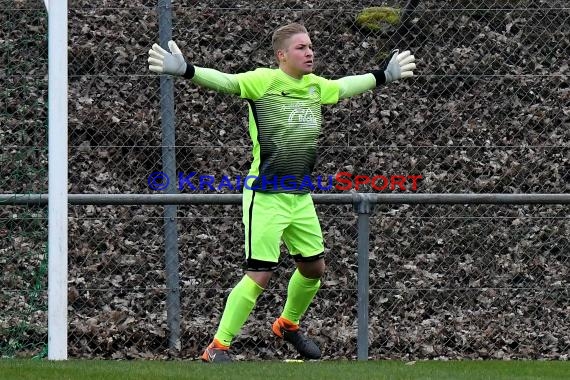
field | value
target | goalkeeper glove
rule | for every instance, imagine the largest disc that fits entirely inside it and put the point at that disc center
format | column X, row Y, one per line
column 400, row 66
column 164, row 62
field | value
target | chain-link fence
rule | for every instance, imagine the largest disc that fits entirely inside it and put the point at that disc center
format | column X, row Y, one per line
column 487, row 112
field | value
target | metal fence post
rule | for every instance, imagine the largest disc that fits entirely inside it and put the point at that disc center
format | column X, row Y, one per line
column 363, row 205
column 169, row 168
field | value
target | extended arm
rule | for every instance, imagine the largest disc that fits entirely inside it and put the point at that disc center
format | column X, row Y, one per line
column 399, row 66
column 164, row 62
column 216, row 80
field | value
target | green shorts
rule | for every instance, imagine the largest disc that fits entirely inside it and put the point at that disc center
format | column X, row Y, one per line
column 271, row 217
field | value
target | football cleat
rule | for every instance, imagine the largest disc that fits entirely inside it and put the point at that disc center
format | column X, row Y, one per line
column 216, row 353
column 290, row 333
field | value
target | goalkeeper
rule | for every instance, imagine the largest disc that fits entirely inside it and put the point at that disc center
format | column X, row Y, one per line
column 284, row 123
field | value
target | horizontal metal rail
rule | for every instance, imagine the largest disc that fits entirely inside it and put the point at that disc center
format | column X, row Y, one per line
column 348, row 198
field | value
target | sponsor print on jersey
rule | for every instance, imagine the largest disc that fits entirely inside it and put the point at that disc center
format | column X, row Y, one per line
column 300, row 115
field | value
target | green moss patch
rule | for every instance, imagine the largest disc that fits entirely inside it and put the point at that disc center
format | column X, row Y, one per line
column 378, row 18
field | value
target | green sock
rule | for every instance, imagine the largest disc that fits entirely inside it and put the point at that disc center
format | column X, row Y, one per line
column 239, row 305
column 300, row 293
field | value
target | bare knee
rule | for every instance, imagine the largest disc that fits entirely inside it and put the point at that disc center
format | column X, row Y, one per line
column 313, row 269
column 260, row 278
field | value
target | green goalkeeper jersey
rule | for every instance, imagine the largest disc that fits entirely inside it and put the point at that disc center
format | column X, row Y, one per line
column 284, row 124
column 284, row 120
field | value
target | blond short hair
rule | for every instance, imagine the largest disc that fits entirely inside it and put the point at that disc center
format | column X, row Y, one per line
column 282, row 34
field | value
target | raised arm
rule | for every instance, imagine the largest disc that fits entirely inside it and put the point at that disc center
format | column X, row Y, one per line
column 173, row 63
column 401, row 65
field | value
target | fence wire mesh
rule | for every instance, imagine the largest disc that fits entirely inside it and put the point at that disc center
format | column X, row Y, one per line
column 486, row 112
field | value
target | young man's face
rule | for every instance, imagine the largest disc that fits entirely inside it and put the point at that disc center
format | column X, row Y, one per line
column 297, row 57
